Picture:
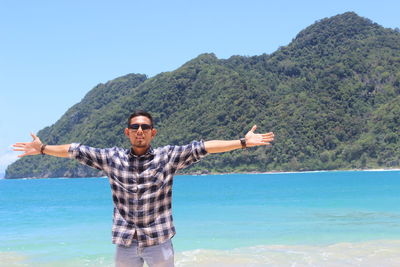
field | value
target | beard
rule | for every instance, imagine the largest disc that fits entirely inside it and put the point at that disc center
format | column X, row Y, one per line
column 140, row 144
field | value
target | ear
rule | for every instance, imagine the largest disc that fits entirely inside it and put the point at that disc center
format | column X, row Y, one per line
column 126, row 132
column 153, row 132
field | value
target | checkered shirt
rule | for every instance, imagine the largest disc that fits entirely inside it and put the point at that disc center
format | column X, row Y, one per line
column 141, row 187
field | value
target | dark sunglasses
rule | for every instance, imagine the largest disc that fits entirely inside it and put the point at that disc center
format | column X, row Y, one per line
column 136, row 127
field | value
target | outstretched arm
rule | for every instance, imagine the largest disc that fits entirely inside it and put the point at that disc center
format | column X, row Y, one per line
column 36, row 147
column 252, row 139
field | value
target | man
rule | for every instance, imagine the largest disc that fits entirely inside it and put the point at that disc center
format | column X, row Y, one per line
column 141, row 182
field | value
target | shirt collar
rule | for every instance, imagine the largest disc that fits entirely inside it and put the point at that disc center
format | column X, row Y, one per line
column 149, row 152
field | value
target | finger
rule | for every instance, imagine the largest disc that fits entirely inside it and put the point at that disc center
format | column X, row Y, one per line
column 270, row 137
column 26, row 154
column 33, row 136
column 267, row 138
column 22, row 155
column 19, row 149
column 19, row 145
column 268, row 134
column 253, row 128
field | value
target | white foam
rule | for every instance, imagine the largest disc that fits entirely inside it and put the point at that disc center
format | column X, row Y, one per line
column 12, row 259
column 367, row 254
column 376, row 253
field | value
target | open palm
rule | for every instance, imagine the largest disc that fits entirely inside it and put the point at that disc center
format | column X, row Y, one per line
column 253, row 139
column 29, row 148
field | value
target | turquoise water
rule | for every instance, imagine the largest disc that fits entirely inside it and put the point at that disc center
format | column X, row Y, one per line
column 221, row 220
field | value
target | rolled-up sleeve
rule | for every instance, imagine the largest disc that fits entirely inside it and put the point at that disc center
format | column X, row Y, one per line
column 90, row 156
column 184, row 156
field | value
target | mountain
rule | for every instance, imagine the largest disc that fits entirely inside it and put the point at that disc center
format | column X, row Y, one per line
column 332, row 98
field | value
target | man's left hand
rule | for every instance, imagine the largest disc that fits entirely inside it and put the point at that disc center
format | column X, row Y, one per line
column 253, row 139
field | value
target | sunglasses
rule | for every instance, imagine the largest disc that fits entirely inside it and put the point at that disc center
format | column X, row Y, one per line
column 136, row 127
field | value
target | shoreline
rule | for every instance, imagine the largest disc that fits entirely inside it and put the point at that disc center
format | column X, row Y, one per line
column 367, row 253
column 224, row 173
column 284, row 172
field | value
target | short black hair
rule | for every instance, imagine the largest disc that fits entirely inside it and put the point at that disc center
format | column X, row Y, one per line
column 140, row 113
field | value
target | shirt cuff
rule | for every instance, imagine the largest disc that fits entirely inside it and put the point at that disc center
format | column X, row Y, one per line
column 203, row 150
column 73, row 150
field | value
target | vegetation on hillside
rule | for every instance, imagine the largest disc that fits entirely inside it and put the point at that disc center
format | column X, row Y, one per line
column 332, row 98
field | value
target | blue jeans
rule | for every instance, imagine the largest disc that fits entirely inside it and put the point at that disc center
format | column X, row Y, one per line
column 155, row 256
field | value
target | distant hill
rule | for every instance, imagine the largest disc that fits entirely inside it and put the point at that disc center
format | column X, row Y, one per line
column 332, row 97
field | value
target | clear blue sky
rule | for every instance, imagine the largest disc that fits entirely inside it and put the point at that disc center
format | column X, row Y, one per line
column 53, row 52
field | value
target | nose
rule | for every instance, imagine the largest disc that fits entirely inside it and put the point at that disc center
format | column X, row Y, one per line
column 140, row 130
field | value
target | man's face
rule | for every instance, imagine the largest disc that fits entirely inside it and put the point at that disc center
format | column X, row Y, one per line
column 140, row 138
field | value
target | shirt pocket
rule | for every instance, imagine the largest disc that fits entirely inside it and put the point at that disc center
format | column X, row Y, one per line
column 151, row 180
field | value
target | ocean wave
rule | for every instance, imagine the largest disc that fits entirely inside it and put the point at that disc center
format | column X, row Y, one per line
column 12, row 259
column 374, row 253
column 385, row 253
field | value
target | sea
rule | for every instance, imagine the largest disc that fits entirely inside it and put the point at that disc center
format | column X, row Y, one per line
column 333, row 218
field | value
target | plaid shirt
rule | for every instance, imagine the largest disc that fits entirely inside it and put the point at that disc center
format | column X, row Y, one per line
column 141, row 187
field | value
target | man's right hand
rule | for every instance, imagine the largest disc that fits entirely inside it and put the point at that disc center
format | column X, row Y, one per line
column 30, row 148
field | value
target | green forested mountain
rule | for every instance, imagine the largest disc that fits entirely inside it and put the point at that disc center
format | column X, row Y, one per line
column 332, row 98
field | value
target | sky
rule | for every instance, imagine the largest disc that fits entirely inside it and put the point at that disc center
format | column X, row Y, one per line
column 53, row 52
